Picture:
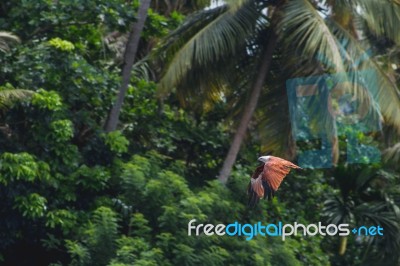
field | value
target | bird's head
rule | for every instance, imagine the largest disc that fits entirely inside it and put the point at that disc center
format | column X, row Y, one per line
column 263, row 159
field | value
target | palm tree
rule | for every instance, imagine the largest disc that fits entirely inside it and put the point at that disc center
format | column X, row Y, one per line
column 366, row 197
column 204, row 55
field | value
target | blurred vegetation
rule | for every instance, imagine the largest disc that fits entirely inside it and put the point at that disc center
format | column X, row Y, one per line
column 72, row 194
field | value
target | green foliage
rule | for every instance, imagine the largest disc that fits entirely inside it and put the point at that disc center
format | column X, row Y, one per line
column 101, row 235
column 22, row 166
column 116, row 141
column 157, row 25
column 62, row 44
column 136, row 251
column 80, row 254
column 364, row 197
column 63, row 218
column 62, row 130
column 32, row 205
column 176, row 19
column 61, row 16
column 93, row 179
column 139, row 226
column 73, row 195
column 47, row 100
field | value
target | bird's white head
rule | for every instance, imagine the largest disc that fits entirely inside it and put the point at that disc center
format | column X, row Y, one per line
column 264, row 159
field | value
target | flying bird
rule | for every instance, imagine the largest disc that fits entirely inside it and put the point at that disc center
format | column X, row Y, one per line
column 267, row 178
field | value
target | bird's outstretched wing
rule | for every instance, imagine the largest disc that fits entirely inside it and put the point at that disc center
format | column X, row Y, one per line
column 267, row 178
column 258, row 188
column 275, row 169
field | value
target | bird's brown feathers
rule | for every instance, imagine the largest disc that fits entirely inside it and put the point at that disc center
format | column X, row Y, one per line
column 275, row 170
column 267, row 178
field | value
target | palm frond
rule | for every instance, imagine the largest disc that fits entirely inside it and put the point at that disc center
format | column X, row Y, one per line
column 382, row 214
column 382, row 17
column 192, row 24
column 392, row 155
column 382, row 89
column 302, row 28
column 337, row 211
column 9, row 96
column 274, row 129
column 379, row 213
column 273, row 119
column 234, row 5
column 201, row 87
column 142, row 70
column 7, row 39
column 217, row 35
column 246, row 67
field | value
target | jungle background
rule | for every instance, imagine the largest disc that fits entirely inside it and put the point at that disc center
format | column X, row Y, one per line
column 205, row 91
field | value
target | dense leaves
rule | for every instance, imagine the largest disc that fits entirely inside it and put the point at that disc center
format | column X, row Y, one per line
column 72, row 194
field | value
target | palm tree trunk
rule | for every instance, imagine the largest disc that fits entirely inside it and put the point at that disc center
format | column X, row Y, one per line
column 249, row 110
column 343, row 245
column 129, row 58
